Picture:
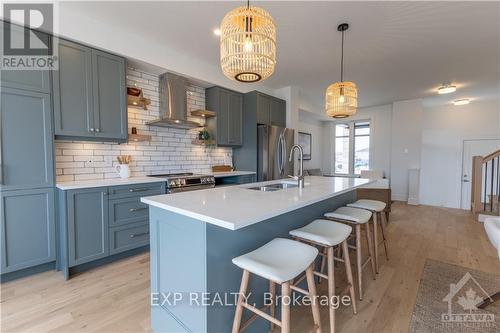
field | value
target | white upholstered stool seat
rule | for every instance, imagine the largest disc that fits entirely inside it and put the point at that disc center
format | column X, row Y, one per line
column 372, row 205
column 279, row 260
column 350, row 214
column 492, row 228
column 324, row 232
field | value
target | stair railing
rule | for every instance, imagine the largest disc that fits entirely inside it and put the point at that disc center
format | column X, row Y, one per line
column 486, row 184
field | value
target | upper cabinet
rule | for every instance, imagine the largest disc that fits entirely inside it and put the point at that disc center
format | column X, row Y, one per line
column 270, row 110
column 90, row 94
column 227, row 126
column 32, row 80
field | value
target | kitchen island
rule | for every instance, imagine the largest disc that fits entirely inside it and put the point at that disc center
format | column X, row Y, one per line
column 195, row 235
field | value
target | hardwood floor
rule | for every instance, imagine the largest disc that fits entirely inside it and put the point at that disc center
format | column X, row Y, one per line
column 115, row 297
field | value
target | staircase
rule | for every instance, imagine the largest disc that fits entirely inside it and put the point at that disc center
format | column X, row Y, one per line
column 486, row 185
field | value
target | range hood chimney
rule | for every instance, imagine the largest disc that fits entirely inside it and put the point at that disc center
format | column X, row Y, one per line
column 173, row 103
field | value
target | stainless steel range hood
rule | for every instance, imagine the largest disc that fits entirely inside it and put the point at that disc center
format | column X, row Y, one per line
column 173, row 103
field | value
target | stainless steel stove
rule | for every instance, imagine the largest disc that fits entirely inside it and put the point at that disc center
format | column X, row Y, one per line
column 187, row 181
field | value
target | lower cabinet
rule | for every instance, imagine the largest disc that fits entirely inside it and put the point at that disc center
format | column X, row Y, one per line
column 235, row 180
column 28, row 228
column 95, row 223
column 87, row 225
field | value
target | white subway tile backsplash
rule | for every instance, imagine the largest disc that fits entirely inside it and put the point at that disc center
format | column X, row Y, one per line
column 170, row 150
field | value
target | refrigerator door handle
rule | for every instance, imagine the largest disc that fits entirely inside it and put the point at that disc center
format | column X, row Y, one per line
column 284, row 155
column 279, row 154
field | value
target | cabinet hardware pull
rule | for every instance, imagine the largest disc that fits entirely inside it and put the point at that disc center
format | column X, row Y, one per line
column 137, row 209
column 139, row 234
column 97, row 130
column 138, row 189
column 92, row 129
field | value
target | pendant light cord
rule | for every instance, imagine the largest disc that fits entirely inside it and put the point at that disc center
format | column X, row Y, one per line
column 248, row 3
column 342, row 60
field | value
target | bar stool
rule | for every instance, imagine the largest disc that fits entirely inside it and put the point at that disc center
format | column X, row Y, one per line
column 357, row 218
column 328, row 234
column 377, row 208
column 279, row 261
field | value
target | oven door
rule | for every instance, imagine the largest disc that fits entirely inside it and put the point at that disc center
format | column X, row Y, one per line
column 189, row 188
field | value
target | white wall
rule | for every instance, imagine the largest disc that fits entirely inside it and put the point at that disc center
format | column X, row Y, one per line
column 315, row 128
column 443, row 131
column 406, row 132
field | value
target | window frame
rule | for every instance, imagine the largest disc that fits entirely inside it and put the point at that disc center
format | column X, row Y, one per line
column 351, row 124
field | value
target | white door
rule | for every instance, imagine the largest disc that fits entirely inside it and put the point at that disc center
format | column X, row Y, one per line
column 473, row 148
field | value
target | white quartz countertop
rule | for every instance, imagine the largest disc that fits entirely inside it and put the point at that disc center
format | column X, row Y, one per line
column 235, row 207
column 78, row 184
column 231, row 173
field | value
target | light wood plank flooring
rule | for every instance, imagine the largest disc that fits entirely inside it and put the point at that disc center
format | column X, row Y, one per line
column 115, row 297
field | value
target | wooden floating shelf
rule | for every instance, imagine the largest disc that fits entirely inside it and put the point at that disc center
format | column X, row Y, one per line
column 203, row 113
column 138, row 101
column 199, row 142
column 139, row 137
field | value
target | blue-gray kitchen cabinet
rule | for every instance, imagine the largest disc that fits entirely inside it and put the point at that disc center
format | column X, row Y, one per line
column 87, row 225
column 26, row 140
column 33, row 80
column 28, row 228
column 227, row 126
column 89, row 94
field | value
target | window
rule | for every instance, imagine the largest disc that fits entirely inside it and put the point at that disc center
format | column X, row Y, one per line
column 352, row 147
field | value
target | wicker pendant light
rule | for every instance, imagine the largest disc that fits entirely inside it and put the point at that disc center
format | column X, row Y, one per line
column 341, row 98
column 248, row 44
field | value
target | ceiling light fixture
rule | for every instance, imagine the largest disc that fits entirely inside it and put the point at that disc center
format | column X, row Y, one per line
column 341, row 99
column 248, row 44
column 217, row 32
column 446, row 89
column 463, row 101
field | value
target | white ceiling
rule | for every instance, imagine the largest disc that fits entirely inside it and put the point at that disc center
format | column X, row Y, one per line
column 393, row 50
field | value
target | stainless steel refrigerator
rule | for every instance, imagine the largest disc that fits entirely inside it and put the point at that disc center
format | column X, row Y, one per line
column 273, row 151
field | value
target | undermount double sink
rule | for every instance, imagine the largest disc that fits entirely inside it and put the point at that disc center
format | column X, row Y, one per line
column 273, row 187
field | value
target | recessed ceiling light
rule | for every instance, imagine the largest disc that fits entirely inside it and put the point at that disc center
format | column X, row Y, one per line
column 446, row 89
column 463, row 101
column 217, row 32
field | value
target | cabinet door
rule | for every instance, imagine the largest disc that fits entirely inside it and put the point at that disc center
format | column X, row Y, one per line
column 33, row 80
column 26, row 140
column 263, row 109
column 28, row 228
column 277, row 114
column 235, row 119
column 73, row 103
column 87, row 225
column 223, row 118
column 109, row 95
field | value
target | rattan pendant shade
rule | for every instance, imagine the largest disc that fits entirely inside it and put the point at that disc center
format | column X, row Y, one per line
column 248, row 44
column 341, row 98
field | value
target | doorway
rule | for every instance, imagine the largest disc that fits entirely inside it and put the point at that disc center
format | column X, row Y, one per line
column 473, row 148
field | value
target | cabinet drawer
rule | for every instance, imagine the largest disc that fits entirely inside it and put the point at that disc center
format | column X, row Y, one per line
column 127, row 210
column 128, row 237
column 137, row 190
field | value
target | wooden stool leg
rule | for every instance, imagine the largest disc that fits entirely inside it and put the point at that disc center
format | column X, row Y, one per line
column 323, row 263
column 311, row 286
column 369, row 240
column 241, row 299
column 285, row 307
column 375, row 239
column 383, row 224
column 348, row 271
column 359, row 263
column 331, row 289
column 272, row 309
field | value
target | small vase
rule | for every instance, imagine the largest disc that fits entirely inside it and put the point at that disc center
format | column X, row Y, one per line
column 123, row 170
